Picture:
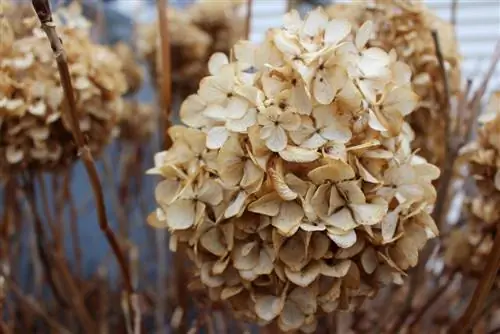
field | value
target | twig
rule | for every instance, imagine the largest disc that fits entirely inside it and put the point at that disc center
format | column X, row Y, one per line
column 37, row 308
column 42, row 8
column 482, row 289
column 160, row 280
column 248, row 21
column 165, row 63
column 434, row 297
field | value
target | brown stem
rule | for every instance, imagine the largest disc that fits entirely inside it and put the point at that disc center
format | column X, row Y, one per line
column 37, row 308
column 165, row 65
column 248, row 21
column 482, row 289
column 434, row 297
column 42, row 8
column 73, row 220
column 41, row 243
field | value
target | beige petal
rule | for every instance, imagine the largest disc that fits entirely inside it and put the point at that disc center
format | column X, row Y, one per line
column 279, row 183
column 207, row 278
column 333, row 292
column 268, row 205
column 13, row 154
column 289, row 218
column 216, row 62
column 191, row 111
column 369, row 214
column 389, row 225
column 305, row 298
column 291, row 318
column 305, row 276
column 180, row 214
column 369, row 260
column 277, row 139
column 210, row 192
column 265, row 266
column 221, row 265
column 230, row 291
column 155, row 222
column 212, row 242
column 336, row 31
column 319, row 245
column 242, row 261
column 337, row 270
column 334, row 171
column 341, row 219
column 343, row 240
column 268, row 307
column 298, row 154
column 292, row 252
column 350, row 252
column 363, row 34
column 335, row 200
column 237, row 205
column 216, row 137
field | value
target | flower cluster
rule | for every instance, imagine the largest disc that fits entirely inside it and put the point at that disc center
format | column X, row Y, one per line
column 34, row 129
column 469, row 247
column 131, row 69
column 293, row 186
column 137, row 122
column 406, row 27
column 195, row 33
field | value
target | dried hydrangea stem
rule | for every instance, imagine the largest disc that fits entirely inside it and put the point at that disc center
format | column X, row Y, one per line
column 483, row 288
column 248, row 22
column 42, row 8
column 166, row 77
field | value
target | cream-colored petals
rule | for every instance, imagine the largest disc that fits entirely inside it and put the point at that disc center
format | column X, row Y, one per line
column 307, row 157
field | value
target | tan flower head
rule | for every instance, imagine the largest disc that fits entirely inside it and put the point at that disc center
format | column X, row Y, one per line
column 293, row 186
column 404, row 27
column 34, row 131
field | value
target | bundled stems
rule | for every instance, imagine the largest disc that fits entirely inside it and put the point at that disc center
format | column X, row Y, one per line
column 482, row 289
column 43, row 11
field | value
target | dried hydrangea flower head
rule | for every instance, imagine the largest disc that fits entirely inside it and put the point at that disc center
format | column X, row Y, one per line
column 406, row 27
column 292, row 184
column 189, row 49
column 131, row 68
column 469, row 248
column 221, row 20
column 137, row 122
column 34, row 132
column 195, row 33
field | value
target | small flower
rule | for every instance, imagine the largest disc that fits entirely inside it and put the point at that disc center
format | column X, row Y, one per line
column 275, row 124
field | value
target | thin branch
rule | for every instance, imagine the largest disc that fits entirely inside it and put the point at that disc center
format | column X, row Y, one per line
column 160, row 279
column 482, row 289
column 165, row 65
column 248, row 20
column 37, row 308
column 42, row 8
column 434, row 297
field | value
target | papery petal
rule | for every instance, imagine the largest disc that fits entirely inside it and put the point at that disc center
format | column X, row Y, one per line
column 268, row 205
column 216, row 137
column 322, row 88
column 241, row 125
column 300, row 99
column 180, row 215
column 210, row 192
column 305, row 276
column 268, row 307
column 298, row 154
column 289, row 218
column 191, row 111
column 337, row 270
column 277, row 139
column 291, row 318
column 215, row 112
column 237, row 205
column 363, row 34
column 342, row 220
column 236, row 108
column 344, row 240
column 334, row 171
column 216, row 62
column 368, row 214
column 289, row 121
column 336, row 31
column 211, row 241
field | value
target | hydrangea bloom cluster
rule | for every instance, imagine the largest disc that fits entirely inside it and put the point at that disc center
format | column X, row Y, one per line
column 468, row 248
column 406, row 27
column 205, row 27
column 34, row 132
column 292, row 184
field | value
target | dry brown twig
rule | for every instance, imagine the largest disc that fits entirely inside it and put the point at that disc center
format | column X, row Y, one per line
column 43, row 11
